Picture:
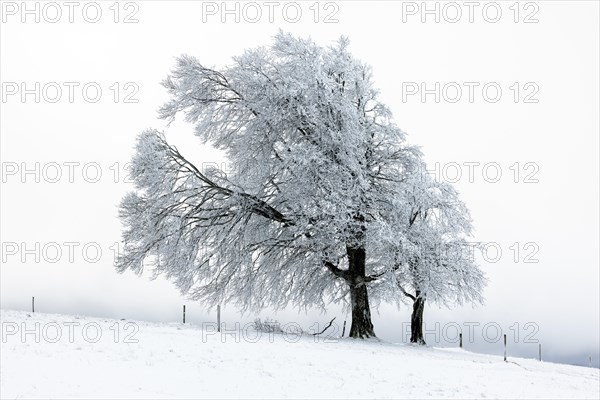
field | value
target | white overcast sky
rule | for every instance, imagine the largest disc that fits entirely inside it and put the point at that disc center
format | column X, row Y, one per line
column 550, row 208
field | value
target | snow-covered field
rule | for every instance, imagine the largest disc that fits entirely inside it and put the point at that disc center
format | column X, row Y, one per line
column 64, row 357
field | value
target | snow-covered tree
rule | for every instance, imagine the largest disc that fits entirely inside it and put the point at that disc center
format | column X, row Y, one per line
column 316, row 164
column 427, row 249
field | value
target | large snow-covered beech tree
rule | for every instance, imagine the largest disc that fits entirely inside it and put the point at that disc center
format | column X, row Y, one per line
column 315, row 159
column 427, row 250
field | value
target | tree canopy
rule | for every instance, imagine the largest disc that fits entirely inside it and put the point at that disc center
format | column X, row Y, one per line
column 318, row 196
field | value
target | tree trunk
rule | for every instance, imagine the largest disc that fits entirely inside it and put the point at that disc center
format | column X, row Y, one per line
column 416, row 321
column 361, row 327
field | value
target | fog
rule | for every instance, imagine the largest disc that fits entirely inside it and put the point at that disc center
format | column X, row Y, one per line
column 524, row 158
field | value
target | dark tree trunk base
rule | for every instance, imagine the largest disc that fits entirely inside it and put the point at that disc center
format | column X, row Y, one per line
column 362, row 327
column 416, row 322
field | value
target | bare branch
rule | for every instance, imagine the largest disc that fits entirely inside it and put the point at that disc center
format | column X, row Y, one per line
column 324, row 329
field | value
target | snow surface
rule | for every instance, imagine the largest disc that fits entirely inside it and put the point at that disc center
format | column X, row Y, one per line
column 172, row 360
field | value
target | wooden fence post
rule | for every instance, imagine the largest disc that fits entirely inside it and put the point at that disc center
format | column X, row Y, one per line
column 218, row 318
column 460, row 340
column 184, row 313
column 33, row 304
column 505, row 347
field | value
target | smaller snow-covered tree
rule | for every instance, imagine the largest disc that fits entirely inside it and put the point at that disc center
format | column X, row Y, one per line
column 429, row 256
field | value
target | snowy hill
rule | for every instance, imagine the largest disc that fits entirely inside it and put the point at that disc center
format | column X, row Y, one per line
column 60, row 356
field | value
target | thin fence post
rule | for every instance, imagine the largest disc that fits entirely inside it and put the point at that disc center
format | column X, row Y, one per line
column 218, row 318
column 460, row 340
column 505, row 347
column 540, row 355
column 184, row 313
column 590, row 361
column 344, row 329
column 33, row 304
